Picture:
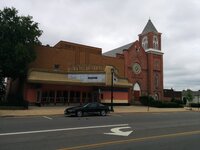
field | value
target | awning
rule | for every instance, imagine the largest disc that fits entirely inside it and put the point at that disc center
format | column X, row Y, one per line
column 123, row 83
column 35, row 76
column 62, row 78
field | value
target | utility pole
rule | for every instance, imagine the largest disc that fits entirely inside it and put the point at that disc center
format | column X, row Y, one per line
column 112, row 72
column 198, row 100
column 148, row 103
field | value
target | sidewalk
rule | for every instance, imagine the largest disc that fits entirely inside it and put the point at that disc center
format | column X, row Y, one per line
column 59, row 110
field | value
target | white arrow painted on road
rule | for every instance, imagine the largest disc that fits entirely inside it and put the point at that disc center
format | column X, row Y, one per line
column 63, row 129
column 117, row 131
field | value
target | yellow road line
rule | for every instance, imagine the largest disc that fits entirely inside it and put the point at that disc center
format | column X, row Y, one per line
column 131, row 140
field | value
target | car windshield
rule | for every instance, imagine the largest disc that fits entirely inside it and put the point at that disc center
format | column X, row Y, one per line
column 92, row 105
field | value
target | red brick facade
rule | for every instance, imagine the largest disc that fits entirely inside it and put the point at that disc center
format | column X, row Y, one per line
column 67, row 54
column 138, row 69
column 144, row 63
column 150, row 78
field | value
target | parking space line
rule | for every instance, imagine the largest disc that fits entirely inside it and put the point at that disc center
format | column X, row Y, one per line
column 116, row 115
column 47, row 117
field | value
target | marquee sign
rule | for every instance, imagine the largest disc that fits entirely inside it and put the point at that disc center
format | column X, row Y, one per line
column 88, row 78
column 86, row 68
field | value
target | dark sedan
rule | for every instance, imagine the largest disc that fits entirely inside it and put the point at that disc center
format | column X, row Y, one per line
column 89, row 108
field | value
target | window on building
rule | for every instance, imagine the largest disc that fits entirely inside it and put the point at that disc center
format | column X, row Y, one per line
column 145, row 42
column 137, row 48
column 156, row 96
column 56, row 67
column 156, row 81
column 156, row 64
column 155, row 42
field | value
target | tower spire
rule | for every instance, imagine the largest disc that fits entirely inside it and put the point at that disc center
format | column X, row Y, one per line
column 149, row 27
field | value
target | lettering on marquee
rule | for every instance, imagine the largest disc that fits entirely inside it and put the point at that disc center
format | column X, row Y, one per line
column 86, row 68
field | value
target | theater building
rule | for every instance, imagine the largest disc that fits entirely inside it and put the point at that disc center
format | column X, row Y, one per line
column 75, row 73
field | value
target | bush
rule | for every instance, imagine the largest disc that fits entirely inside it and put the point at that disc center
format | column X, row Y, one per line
column 149, row 101
column 169, row 105
column 23, row 104
column 146, row 100
column 195, row 105
column 180, row 102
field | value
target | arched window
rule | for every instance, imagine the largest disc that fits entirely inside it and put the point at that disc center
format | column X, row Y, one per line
column 136, row 87
column 155, row 42
column 145, row 42
column 156, row 81
column 136, row 91
column 156, row 96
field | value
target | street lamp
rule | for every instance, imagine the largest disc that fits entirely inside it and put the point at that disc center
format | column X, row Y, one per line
column 112, row 72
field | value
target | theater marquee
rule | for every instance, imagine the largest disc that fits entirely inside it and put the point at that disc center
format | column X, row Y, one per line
column 86, row 68
column 88, row 78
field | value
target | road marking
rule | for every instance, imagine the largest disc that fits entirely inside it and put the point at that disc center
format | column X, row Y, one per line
column 131, row 140
column 116, row 115
column 117, row 131
column 63, row 129
column 48, row 117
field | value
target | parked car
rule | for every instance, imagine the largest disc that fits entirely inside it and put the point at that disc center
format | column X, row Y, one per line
column 89, row 108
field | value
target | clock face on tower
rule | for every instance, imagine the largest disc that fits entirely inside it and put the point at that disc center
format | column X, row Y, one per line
column 136, row 68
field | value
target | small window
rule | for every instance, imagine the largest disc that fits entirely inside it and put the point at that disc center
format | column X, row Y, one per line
column 137, row 49
column 156, row 81
column 155, row 42
column 156, row 64
column 56, row 67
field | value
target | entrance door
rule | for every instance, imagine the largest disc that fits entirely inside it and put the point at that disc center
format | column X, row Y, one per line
column 136, row 91
column 39, row 93
column 95, row 97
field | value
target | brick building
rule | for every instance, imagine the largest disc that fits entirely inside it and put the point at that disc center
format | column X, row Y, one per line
column 171, row 94
column 143, row 63
column 75, row 73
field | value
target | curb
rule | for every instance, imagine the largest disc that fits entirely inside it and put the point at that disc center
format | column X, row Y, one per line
column 116, row 112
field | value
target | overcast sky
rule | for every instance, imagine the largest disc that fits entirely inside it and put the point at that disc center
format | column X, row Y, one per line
column 109, row 24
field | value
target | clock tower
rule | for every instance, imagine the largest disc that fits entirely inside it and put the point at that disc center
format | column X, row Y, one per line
column 143, row 63
column 150, row 40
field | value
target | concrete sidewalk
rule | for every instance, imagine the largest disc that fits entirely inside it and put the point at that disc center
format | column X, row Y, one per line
column 59, row 110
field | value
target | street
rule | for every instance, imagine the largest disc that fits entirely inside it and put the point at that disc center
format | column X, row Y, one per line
column 124, row 131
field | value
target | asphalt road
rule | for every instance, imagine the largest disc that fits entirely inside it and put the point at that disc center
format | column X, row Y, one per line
column 152, row 131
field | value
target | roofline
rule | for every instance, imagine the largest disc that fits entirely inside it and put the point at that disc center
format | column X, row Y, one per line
column 81, row 45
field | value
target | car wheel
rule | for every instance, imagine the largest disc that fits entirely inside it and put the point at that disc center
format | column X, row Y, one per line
column 79, row 114
column 103, row 113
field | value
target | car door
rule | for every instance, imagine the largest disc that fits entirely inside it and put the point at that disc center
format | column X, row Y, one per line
column 92, row 108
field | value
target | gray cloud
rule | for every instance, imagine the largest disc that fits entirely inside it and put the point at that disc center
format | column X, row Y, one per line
column 110, row 24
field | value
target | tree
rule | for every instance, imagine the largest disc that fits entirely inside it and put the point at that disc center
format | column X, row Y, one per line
column 18, row 36
column 2, row 88
column 189, row 96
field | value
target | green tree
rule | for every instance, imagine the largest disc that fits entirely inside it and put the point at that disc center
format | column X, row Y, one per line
column 2, row 87
column 189, row 96
column 18, row 36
